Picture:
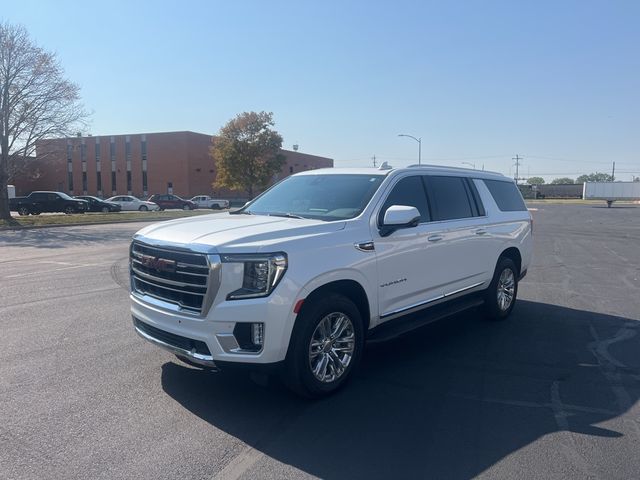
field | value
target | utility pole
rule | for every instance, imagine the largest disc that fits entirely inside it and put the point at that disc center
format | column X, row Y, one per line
column 517, row 158
column 374, row 161
column 613, row 172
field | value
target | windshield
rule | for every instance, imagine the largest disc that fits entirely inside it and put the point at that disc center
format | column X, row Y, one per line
column 322, row 197
column 65, row 196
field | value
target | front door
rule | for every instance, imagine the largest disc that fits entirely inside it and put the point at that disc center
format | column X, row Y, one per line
column 409, row 260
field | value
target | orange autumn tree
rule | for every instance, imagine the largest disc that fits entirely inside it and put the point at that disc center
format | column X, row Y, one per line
column 246, row 153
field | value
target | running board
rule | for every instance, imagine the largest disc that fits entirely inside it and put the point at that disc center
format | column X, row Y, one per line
column 399, row 326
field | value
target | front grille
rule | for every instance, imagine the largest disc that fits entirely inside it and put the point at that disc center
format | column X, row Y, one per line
column 172, row 339
column 176, row 276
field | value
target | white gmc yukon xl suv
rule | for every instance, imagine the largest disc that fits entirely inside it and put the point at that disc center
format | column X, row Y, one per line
column 300, row 278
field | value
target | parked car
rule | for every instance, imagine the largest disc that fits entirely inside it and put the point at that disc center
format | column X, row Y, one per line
column 128, row 202
column 298, row 280
column 172, row 201
column 98, row 205
column 205, row 201
column 39, row 202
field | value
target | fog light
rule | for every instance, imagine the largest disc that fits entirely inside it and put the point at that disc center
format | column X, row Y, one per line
column 257, row 333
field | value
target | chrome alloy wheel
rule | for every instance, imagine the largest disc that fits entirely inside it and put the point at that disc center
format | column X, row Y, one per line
column 506, row 289
column 331, row 348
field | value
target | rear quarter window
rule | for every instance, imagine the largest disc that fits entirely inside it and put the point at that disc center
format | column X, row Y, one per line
column 506, row 195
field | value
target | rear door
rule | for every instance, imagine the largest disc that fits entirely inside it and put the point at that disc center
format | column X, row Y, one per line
column 127, row 203
column 56, row 203
column 467, row 250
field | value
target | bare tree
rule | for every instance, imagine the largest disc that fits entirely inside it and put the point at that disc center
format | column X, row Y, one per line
column 36, row 102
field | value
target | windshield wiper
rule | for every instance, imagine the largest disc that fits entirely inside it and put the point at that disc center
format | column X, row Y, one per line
column 285, row 215
column 241, row 212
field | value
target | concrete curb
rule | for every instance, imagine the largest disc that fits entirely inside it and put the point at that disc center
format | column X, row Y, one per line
column 55, row 225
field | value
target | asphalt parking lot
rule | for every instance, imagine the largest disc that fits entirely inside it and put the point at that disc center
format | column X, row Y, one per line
column 551, row 393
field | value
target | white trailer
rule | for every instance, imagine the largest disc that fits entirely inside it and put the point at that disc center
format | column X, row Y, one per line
column 11, row 190
column 611, row 191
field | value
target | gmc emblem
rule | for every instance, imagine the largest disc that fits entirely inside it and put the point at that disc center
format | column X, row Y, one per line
column 158, row 264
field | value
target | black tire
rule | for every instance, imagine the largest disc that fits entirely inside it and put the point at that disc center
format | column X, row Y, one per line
column 143, row 208
column 215, row 206
column 23, row 211
column 297, row 372
column 69, row 210
column 495, row 309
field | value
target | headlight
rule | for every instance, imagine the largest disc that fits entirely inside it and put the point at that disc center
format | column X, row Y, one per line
column 261, row 274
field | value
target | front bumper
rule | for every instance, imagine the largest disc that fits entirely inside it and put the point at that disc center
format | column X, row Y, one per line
column 217, row 329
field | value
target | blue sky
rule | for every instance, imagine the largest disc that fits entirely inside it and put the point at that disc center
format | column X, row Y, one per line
column 556, row 82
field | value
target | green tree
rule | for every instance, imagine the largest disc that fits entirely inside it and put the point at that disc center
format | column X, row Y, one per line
column 563, row 180
column 247, row 153
column 36, row 102
column 595, row 177
column 535, row 181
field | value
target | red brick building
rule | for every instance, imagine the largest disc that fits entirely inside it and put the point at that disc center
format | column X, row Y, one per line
column 140, row 165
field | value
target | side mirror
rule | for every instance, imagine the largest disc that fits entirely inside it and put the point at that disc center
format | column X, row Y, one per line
column 397, row 217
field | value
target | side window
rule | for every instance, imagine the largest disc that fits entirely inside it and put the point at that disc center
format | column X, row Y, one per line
column 38, row 197
column 449, row 197
column 408, row 191
column 53, row 197
column 506, row 195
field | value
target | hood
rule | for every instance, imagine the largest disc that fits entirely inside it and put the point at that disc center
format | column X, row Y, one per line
column 223, row 232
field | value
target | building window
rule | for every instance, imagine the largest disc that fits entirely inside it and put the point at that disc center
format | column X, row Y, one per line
column 84, row 183
column 129, row 182
column 112, row 158
column 143, row 149
column 127, row 152
column 98, row 167
column 70, row 166
column 290, row 169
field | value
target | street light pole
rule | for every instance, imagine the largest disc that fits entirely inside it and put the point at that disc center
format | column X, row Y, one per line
column 419, row 140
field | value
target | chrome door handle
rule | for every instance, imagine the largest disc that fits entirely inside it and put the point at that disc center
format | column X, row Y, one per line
column 435, row 238
column 480, row 231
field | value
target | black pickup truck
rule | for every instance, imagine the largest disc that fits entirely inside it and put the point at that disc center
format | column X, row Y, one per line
column 38, row 202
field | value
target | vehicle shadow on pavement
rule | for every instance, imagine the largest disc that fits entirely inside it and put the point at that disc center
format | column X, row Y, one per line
column 446, row 401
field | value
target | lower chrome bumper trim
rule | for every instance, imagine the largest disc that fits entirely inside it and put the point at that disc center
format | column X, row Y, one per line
column 204, row 360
